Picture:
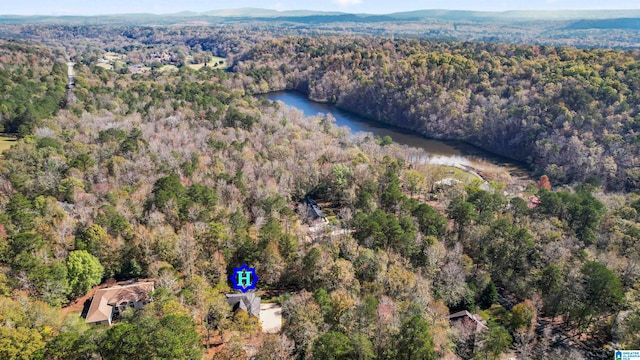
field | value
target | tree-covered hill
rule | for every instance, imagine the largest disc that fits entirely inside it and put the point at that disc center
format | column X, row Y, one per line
column 30, row 92
column 572, row 114
column 622, row 23
column 182, row 176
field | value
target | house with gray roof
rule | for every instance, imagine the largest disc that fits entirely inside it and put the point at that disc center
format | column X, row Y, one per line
column 314, row 212
column 249, row 302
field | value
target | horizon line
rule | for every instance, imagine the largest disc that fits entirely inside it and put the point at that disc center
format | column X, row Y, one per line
column 203, row 13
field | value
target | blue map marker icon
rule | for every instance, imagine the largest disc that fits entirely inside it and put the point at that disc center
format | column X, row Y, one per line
column 244, row 278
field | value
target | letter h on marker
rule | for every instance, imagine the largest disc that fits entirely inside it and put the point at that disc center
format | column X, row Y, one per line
column 244, row 278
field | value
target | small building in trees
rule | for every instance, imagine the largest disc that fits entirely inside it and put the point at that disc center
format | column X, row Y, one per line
column 478, row 324
column 111, row 301
column 312, row 210
column 469, row 327
column 249, row 302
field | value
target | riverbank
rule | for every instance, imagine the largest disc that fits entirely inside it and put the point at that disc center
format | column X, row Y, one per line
column 400, row 135
column 483, row 165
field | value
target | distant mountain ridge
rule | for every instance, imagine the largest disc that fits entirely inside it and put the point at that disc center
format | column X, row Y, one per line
column 248, row 12
column 608, row 24
column 516, row 14
column 430, row 14
column 261, row 13
column 310, row 16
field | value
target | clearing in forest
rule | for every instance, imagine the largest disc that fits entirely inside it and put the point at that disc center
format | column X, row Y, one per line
column 215, row 63
column 271, row 318
column 6, row 142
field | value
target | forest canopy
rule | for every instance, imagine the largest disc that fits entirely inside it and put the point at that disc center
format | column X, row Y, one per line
column 571, row 114
column 180, row 176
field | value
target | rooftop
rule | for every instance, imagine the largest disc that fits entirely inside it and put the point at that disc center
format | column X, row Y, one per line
column 104, row 299
column 314, row 209
column 249, row 302
column 480, row 324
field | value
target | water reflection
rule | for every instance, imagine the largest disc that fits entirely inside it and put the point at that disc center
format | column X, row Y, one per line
column 451, row 153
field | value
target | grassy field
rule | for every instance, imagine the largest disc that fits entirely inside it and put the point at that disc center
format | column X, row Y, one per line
column 145, row 69
column 218, row 60
column 459, row 174
column 105, row 66
column 113, row 60
column 168, row 68
column 195, row 66
column 6, row 142
column 114, row 56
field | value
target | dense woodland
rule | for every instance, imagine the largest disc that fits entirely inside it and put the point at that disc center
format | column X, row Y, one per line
column 572, row 114
column 181, row 177
column 584, row 29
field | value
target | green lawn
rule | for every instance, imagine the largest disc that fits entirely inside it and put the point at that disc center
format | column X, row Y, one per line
column 105, row 66
column 114, row 56
column 167, row 68
column 218, row 60
column 195, row 66
column 459, row 174
column 221, row 64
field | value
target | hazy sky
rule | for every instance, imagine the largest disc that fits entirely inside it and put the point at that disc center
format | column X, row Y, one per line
column 93, row 7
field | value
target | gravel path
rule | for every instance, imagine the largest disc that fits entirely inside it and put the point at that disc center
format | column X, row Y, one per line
column 271, row 318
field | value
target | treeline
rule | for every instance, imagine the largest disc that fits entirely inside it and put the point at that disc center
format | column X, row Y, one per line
column 532, row 103
column 614, row 32
column 30, row 93
column 572, row 114
column 33, row 330
column 182, row 177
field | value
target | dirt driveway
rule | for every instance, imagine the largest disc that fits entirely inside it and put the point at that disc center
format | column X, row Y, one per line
column 271, row 318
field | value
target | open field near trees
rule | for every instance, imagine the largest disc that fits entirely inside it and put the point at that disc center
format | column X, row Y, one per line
column 6, row 142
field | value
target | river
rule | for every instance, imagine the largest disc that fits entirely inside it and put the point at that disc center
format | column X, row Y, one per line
column 451, row 153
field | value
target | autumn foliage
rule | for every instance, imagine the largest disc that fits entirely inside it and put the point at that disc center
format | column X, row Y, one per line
column 544, row 183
